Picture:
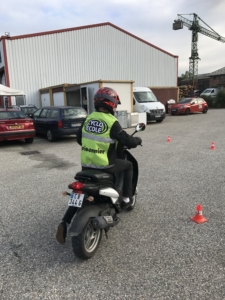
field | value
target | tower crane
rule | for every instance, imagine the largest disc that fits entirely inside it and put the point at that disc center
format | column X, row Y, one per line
column 195, row 28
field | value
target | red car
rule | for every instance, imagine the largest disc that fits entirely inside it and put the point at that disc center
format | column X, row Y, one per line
column 188, row 106
column 14, row 125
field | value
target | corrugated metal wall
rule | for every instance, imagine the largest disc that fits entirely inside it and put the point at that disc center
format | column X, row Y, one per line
column 83, row 55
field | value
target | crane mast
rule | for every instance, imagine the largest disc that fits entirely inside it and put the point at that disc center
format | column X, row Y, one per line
column 195, row 28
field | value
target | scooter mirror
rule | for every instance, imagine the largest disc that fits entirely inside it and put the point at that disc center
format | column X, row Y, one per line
column 140, row 127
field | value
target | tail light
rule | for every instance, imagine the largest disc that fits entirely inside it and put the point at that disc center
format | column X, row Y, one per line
column 77, row 186
column 31, row 125
column 60, row 124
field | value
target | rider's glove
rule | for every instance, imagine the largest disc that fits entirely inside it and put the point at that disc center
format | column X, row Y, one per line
column 138, row 140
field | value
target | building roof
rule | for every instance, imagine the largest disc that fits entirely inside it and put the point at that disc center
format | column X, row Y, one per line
column 84, row 27
column 199, row 76
column 208, row 75
column 218, row 72
column 203, row 76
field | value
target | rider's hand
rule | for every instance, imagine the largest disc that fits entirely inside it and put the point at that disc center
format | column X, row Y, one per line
column 138, row 140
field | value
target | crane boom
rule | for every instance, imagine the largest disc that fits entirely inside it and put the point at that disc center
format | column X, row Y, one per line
column 213, row 34
column 195, row 28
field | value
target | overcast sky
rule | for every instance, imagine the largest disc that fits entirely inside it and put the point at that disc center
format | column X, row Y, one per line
column 150, row 20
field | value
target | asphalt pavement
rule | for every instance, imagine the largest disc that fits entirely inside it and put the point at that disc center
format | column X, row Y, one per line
column 155, row 252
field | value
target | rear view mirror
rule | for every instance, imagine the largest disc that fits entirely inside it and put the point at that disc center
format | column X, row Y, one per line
column 140, row 127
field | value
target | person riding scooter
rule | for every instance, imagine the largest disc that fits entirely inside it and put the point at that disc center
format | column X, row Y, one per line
column 98, row 136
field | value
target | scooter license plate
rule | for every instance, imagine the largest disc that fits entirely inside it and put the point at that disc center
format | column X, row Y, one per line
column 76, row 200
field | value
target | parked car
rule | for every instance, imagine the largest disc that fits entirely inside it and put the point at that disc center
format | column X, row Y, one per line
column 14, row 125
column 27, row 109
column 212, row 92
column 58, row 121
column 189, row 105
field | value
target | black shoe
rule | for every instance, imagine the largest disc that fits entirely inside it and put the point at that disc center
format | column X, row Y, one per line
column 61, row 232
column 125, row 204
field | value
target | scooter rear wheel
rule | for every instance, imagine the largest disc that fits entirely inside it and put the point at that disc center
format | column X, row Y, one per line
column 86, row 243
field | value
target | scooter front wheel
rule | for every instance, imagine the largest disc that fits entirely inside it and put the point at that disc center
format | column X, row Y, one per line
column 86, row 243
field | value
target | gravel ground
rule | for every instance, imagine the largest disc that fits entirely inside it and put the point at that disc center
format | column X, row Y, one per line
column 155, row 252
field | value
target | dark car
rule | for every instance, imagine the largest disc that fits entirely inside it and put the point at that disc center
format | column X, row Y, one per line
column 26, row 109
column 189, row 105
column 195, row 93
column 58, row 121
column 14, row 125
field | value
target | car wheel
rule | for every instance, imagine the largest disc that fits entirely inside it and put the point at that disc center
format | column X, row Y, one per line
column 187, row 111
column 50, row 137
column 29, row 140
column 205, row 110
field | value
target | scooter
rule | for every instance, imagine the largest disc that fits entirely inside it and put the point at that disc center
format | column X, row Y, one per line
column 98, row 198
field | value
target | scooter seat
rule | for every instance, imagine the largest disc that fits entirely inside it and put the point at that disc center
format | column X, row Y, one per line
column 94, row 176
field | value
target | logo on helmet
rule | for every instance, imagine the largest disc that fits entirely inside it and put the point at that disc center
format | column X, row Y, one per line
column 95, row 126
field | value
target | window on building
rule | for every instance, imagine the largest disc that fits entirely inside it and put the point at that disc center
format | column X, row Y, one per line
column 0, row 57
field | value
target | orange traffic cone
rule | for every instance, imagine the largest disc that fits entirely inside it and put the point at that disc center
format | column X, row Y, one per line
column 198, row 217
column 212, row 146
column 168, row 139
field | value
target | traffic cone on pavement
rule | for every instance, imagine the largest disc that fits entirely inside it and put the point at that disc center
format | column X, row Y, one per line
column 212, row 146
column 168, row 139
column 198, row 217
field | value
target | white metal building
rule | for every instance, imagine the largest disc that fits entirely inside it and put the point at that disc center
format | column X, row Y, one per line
column 82, row 54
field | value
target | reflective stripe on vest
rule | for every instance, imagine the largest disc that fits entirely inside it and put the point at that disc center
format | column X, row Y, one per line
column 98, row 138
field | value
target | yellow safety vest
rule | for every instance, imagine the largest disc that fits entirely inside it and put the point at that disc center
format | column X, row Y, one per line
column 98, row 149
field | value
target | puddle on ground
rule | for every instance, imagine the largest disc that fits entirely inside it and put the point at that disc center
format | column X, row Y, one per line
column 50, row 161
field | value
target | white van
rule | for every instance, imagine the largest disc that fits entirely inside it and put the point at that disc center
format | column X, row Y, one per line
column 212, row 92
column 146, row 101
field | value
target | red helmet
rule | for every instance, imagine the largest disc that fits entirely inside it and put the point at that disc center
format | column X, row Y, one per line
column 106, row 97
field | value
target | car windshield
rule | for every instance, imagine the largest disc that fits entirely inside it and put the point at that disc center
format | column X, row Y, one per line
column 142, row 97
column 12, row 115
column 28, row 110
column 185, row 100
column 74, row 113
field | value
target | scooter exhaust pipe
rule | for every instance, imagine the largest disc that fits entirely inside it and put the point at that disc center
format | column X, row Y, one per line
column 104, row 222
